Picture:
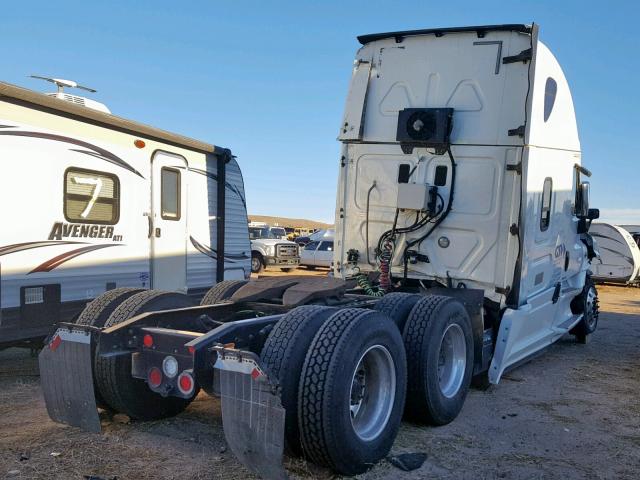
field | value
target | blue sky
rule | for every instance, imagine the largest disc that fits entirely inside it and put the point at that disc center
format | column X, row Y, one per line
column 269, row 79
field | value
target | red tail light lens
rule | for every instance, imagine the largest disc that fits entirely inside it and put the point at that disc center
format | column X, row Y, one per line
column 147, row 341
column 185, row 383
column 154, row 377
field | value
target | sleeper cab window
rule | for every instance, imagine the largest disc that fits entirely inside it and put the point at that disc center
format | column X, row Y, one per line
column 170, row 194
column 550, row 90
column 91, row 196
column 545, row 210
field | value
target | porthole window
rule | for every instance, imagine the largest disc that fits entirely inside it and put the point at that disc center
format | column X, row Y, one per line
column 550, row 90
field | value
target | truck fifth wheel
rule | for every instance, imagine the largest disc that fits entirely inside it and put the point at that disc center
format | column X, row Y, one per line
column 461, row 249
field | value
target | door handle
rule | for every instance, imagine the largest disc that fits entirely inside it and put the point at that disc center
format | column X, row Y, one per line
column 150, row 223
column 158, row 232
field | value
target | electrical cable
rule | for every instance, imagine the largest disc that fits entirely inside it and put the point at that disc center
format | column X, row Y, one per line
column 439, row 219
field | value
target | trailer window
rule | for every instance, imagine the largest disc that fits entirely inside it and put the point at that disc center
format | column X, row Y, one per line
column 91, row 196
column 545, row 210
column 170, row 193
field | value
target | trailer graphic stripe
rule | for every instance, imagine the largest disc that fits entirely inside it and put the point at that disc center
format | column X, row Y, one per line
column 65, row 257
column 228, row 185
column 96, row 151
column 19, row 247
column 210, row 252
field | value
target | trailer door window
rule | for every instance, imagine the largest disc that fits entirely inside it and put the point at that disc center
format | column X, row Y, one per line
column 170, row 193
column 545, row 211
column 91, row 197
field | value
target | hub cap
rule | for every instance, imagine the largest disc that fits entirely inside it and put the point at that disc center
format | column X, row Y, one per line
column 255, row 264
column 452, row 360
column 373, row 391
column 590, row 317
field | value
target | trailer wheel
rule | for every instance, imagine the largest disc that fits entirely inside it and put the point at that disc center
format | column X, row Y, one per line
column 587, row 304
column 352, row 391
column 397, row 306
column 257, row 262
column 119, row 389
column 95, row 314
column 439, row 343
column 283, row 355
column 222, row 291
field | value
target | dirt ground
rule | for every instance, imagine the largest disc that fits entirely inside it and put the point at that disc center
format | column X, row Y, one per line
column 572, row 412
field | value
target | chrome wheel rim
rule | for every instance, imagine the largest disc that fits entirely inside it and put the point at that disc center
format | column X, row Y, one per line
column 589, row 312
column 452, row 360
column 255, row 264
column 373, row 392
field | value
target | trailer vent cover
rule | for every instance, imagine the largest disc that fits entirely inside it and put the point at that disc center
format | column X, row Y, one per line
column 424, row 127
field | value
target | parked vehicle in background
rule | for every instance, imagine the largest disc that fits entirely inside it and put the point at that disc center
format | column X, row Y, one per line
column 279, row 232
column 317, row 253
column 634, row 230
column 619, row 259
column 268, row 249
column 296, row 232
column 302, row 241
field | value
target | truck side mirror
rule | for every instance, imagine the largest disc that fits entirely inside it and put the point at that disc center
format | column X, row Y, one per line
column 594, row 214
column 582, row 200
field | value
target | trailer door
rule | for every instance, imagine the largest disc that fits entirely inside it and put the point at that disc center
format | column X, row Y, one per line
column 167, row 225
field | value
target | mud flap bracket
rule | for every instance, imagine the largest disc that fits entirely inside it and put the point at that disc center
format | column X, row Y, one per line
column 252, row 413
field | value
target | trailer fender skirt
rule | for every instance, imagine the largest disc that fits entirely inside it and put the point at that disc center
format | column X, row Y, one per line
column 67, row 379
column 252, row 413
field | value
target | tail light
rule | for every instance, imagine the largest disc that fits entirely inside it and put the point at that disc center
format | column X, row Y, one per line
column 154, row 377
column 147, row 341
column 185, row 383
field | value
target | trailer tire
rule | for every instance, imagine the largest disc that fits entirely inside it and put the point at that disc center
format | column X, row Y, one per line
column 118, row 388
column 222, row 291
column 586, row 303
column 286, row 270
column 95, row 313
column 353, row 348
column 428, row 399
column 397, row 306
column 257, row 262
column 283, row 355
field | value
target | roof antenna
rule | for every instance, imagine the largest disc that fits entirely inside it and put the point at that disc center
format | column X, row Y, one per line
column 61, row 83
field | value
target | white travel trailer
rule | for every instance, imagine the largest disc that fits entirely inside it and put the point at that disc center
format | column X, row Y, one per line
column 619, row 259
column 92, row 202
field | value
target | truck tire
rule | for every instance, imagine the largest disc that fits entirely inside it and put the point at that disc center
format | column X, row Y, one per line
column 397, row 306
column 95, row 314
column 352, row 391
column 118, row 388
column 98, row 310
column 283, row 355
column 286, row 270
column 587, row 304
column 257, row 262
column 439, row 341
column 222, row 291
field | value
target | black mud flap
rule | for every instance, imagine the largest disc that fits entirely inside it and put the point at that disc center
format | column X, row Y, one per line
column 67, row 379
column 252, row 414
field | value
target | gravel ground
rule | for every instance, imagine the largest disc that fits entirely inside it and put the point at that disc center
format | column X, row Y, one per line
column 572, row 412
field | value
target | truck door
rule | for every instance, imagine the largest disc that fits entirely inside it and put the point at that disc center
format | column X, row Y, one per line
column 167, row 222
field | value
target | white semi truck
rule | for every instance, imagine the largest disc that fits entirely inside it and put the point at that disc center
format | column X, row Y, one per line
column 461, row 249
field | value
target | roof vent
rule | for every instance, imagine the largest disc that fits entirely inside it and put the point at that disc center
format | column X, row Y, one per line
column 85, row 102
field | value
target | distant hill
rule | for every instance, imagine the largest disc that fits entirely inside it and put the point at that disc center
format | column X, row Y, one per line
column 289, row 222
